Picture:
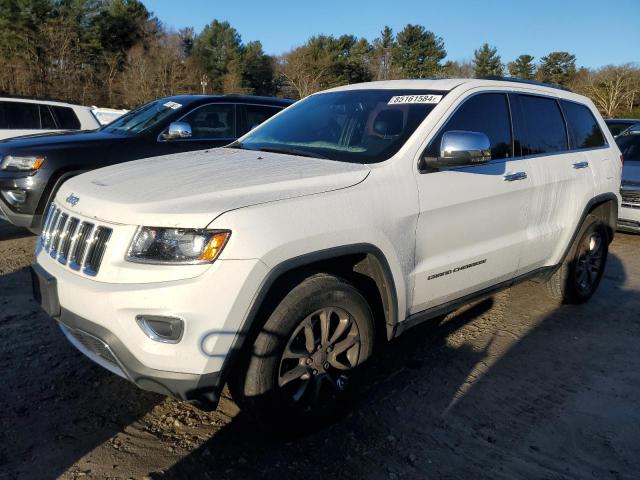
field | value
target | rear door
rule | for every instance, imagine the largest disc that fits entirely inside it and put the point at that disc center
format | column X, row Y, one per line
column 472, row 223
column 560, row 177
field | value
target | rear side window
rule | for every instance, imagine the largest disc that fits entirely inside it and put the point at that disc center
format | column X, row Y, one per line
column 46, row 118
column 254, row 115
column 542, row 129
column 584, row 131
column 67, row 118
column 19, row 116
column 486, row 113
column 629, row 147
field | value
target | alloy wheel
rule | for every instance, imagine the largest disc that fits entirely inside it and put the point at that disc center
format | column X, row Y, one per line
column 318, row 356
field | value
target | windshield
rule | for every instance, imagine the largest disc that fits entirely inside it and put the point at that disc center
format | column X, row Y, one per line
column 143, row 118
column 360, row 126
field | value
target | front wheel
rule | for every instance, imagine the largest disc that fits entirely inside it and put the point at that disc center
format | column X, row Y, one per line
column 304, row 362
column 577, row 279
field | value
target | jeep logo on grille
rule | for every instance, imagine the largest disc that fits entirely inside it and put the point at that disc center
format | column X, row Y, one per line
column 72, row 200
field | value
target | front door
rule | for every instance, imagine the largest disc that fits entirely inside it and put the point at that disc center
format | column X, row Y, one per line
column 472, row 223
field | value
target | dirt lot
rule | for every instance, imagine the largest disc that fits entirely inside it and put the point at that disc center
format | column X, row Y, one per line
column 513, row 387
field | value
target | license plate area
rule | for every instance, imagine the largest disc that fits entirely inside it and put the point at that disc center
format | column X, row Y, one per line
column 45, row 290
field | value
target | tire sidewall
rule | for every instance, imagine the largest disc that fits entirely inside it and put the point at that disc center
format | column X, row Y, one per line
column 314, row 293
column 589, row 227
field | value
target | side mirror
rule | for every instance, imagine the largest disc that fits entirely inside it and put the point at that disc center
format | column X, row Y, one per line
column 178, row 130
column 461, row 148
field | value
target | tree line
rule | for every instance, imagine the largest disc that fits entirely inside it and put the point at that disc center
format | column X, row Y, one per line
column 116, row 53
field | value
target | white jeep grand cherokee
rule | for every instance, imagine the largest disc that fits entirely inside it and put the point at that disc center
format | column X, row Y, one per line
column 274, row 263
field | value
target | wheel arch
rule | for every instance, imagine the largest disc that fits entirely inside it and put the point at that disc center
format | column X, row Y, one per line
column 364, row 265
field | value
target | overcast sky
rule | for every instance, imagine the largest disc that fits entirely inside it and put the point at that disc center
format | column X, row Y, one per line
column 597, row 35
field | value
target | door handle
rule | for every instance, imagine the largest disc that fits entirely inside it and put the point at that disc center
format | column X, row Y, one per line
column 510, row 177
column 579, row 165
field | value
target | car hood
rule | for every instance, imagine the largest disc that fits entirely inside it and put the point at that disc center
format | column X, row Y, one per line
column 631, row 173
column 43, row 142
column 191, row 189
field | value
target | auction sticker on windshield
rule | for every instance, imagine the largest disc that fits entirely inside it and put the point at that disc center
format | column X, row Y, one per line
column 405, row 99
column 173, row 105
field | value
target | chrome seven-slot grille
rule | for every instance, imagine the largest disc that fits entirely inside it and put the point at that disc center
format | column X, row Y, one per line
column 78, row 244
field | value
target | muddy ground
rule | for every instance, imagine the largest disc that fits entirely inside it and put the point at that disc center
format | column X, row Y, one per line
column 512, row 387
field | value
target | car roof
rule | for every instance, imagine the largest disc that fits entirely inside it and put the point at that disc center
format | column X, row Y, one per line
column 255, row 99
column 448, row 84
column 46, row 101
column 622, row 120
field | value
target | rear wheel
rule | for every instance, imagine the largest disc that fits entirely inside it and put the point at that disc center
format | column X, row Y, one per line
column 578, row 277
column 303, row 367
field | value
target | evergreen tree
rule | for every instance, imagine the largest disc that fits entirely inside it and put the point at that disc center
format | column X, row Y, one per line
column 418, row 52
column 522, row 67
column 557, row 67
column 487, row 62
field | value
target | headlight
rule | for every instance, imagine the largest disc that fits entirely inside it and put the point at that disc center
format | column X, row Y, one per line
column 176, row 245
column 11, row 162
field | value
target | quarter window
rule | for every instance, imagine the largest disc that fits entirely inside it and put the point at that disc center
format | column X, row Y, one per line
column 486, row 113
column 543, row 129
column 584, row 131
column 66, row 118
column 212, row 121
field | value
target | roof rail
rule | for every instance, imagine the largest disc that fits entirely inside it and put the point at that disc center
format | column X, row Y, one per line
column 522, row 80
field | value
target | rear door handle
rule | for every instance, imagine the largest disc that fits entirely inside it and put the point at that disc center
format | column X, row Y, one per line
column 510, row 177
column 579, row 165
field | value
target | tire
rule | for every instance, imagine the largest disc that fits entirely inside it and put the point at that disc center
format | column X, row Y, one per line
column 579, row 275
column 300, row 375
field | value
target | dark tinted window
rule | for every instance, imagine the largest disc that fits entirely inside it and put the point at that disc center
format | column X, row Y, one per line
column 254, row 115
column 19, row 115
column 616, row 128
column 66, row 118
column 584, row 131
column 212, row 121
column 629, row 146
column 487, row 113
column 46, row 118
column 543, row 129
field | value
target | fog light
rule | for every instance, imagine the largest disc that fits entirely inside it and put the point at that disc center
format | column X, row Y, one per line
column 161, row 329
column 15, row 197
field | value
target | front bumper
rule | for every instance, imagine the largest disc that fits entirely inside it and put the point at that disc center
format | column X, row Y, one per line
column 105, row 349
column 22, row 214
column 99, row 318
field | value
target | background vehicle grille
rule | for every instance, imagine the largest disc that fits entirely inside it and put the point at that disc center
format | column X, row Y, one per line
column 73, row 242
column 631, row 197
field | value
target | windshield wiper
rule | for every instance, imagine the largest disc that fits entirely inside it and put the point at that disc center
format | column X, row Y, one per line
column 291, row 151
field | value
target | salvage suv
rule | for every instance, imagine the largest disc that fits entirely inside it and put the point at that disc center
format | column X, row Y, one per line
column 276, row 263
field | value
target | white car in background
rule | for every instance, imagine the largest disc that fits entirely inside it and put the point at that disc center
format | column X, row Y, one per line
column 107, row 115
column 23, row 116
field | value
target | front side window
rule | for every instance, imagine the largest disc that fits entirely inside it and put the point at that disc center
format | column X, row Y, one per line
column 486, row 113
column 212, row 121
column 583, row 128
column 542, row 126
column 359, row 126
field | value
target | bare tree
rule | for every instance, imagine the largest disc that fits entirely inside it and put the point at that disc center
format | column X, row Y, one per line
column 613, row 89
